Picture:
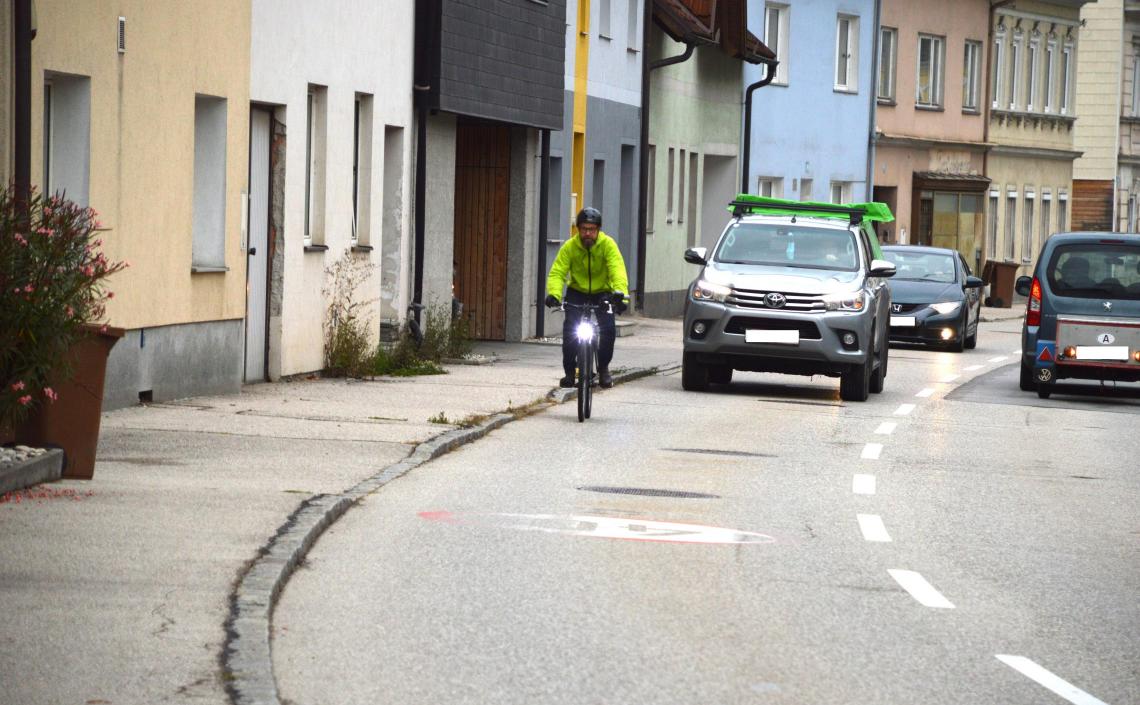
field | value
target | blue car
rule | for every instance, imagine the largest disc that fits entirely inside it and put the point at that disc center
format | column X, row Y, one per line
column 935, row 299
column 1082, row 317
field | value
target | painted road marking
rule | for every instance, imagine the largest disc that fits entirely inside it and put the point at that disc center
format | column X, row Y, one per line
column 872, row 527
column 904, row 409
column 871, row 451
column 919, row 589
column 863, row 484
column 925, row 393
column 886, row 428
column 974, row 368
column 635, row 529
column 997, row 359
column 1016, row 352
column 1061, row 687
column 949, row 378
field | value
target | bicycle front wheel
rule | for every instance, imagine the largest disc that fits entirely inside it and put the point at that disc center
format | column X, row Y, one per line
column 584, row 374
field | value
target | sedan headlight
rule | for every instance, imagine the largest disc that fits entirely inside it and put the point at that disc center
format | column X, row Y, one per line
column 946, row 307
column 845, row 301
column 705, row 291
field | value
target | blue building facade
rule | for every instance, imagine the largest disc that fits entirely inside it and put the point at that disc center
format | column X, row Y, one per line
column 810, row 131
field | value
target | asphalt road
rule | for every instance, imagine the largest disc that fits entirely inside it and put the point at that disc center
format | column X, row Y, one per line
column 952, row 540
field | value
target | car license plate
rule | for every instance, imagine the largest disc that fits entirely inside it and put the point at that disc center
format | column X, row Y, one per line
column 786, row 337
column 1102, row 352
column 902, row 322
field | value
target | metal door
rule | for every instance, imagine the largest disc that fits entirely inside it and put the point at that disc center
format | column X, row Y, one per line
column 257, row 249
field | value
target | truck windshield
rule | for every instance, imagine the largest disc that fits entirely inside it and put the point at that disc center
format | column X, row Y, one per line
column 1096, row 271
column 788, row 245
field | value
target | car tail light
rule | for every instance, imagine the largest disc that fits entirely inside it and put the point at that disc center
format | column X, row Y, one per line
column 1033, row 306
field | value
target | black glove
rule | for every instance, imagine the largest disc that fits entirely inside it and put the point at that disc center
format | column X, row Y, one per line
column 617, row 300
column 552, row 301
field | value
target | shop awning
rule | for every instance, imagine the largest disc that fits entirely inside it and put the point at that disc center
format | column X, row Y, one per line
column 950, row 181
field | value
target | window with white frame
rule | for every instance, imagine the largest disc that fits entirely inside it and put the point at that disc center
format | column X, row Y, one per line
column 670, row 174
column 317, row 112
column 1063, row 100
column 633, row 26
column 1062, row 211
column 888, row 64
column 776, row 19
column 805, row 189
column 1010, row 223
column 992, row 225
column 67, row 136
column 972, row 77
column 1135, row 83
column 928, row 83
column 681, row 188
column 208, row 250
column 1046, row 206
column 605, row 15
column 1032, row 53
column 1047, row 75
column 996, row 66
column 362, row 169
column 1013, row 82
column 651, row 190
column 770, row 187
column 840, row 191
column 1027, row 226
column 1131, row 212
column 847, row 54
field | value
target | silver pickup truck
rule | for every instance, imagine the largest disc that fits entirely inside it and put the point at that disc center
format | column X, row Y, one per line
column 790, row 287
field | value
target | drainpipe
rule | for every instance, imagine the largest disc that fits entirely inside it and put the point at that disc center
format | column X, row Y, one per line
column 769, row 76
column 872, row 137
column 643, row 166
column 543, row 216
column 427, row 14
column 421, row 193
column 22, row 98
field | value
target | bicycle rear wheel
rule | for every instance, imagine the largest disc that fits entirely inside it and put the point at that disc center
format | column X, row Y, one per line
column 584, row 374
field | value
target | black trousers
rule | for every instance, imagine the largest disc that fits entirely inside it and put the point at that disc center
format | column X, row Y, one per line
column 570, row 341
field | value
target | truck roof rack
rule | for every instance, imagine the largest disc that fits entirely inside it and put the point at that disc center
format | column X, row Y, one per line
column 855, row 213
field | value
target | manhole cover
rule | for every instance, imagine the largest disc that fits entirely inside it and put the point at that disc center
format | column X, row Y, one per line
column 648, row 492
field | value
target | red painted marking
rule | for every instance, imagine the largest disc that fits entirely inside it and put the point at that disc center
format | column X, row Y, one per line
column 440, row 515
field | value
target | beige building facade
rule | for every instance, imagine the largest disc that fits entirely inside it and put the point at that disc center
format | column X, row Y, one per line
column 1097, row 133
column 1128, row 167
column 132, row 118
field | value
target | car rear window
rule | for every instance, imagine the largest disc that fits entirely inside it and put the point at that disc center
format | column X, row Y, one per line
column 922, row 266
column 788, row 245
column 1095, row 271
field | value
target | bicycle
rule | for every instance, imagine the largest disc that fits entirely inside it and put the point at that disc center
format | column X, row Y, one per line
column 587, row 333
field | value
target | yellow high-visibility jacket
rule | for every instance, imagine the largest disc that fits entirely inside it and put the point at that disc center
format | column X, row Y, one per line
column 597, row 270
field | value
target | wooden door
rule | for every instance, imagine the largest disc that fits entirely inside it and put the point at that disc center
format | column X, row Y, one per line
column 482, row 200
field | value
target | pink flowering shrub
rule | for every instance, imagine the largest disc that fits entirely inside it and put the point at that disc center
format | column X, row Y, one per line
column 52, row 285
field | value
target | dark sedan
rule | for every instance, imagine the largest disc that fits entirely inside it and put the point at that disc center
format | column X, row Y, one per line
column 934, row 297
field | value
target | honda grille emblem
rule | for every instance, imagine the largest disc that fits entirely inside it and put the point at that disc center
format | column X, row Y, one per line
column 775, row 300
column 896, row 308
column 1107, row 305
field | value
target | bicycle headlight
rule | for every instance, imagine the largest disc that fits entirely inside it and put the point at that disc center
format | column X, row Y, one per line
column 585, row 331
column 946, row 306
column 706, row 291
column 845, row 301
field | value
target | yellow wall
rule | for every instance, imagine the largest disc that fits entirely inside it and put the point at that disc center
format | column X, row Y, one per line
column 142, row 141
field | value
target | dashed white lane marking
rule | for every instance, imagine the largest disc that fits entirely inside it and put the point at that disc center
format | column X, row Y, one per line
column 974, row 368
column 998, row 359
column 873, row 528
column 1058, row 685
column 926, row 392
column 1016, row 352
column 886, row 428
column 871, row 451
column 919, row 589
column 949, row 378
column 904, row 409
column 863, row 484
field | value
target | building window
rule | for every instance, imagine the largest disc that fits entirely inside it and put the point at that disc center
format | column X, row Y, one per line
column 1066, row 70
column 67, row 137
column 996, row 68
column 770, row 187
column 1027, row 227
column 992, row 226
column 681, row 188
column 805, row 189
column 633, row 26
column 776, row 18
column 671, row 172
column 888, row 62
column 840, row 191
column 1047, row 74
column 651, row 190
column 209, row 229
column 847, row 54
column 1135, row 82
column 1031, row 89
column 972, row 77
column 1131, row 213
column 1013, row 84
column 605, row 13
column 1062, row 211
column 1010, row 224
column 928, row 90
column 1046, row 206
column 316, row 112
column 362, row 169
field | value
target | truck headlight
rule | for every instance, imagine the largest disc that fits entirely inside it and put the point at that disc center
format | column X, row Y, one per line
column 845, row 301
column 705, row 291
column 946, row 307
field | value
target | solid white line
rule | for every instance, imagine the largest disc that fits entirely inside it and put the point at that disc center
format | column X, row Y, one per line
column 1061, row 687
column 925, row 393
column 997, row 359
column 949, row 379
column 919, row 589
column 871, row 451
column 886, row 428
column 872, row 527
column 863, row 484
column 904, row 409
column 972, row 368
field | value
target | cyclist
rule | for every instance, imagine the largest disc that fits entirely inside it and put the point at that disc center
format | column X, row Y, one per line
column 590, row 266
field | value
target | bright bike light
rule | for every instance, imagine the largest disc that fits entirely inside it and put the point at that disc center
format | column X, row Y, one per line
column 705, row 291
column 845, row 301
column 946, row 307
column 585, row 331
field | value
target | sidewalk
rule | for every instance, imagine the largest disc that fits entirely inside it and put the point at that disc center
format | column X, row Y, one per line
column 128, row 588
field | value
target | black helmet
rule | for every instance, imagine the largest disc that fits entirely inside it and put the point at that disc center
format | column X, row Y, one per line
column 589, row 215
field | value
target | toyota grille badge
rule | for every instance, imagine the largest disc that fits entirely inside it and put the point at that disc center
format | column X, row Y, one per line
column 775, row 300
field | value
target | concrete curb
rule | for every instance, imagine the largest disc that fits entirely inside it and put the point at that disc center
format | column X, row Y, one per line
column 45, row 467
column 246, row 659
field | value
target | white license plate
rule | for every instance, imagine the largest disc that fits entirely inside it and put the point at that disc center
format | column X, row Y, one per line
column 903, row 322
column 786, row 337
column 1102, row 352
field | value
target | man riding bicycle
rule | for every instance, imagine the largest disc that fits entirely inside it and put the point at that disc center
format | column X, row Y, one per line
column 590, row 266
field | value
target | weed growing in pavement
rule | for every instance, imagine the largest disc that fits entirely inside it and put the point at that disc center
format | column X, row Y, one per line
column 440, row 418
